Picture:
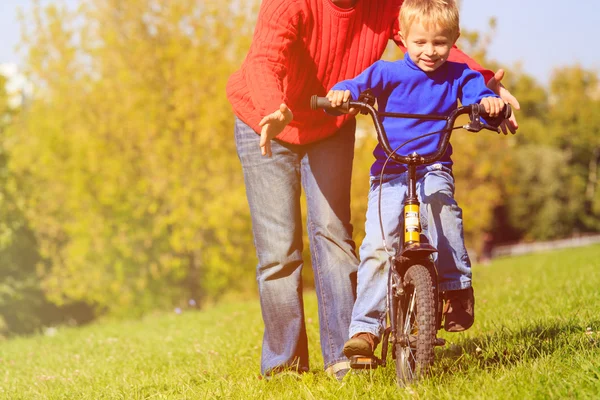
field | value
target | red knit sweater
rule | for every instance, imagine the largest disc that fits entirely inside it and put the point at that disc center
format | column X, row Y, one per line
column 304, row 47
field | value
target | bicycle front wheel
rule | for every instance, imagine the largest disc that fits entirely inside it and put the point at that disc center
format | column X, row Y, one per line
column 415, row 325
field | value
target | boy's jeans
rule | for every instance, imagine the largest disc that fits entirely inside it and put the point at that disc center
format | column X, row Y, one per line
column 273, row 186
column 441, row 220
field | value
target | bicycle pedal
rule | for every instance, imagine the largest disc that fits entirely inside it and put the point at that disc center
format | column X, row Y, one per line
column 363, row 362
column 439, row 342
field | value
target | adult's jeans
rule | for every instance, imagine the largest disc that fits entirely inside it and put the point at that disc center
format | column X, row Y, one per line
column 441, row 220
column 273, row 188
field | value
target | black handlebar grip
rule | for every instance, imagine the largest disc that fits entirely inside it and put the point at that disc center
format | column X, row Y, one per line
column 506, row 111
column 317, row 102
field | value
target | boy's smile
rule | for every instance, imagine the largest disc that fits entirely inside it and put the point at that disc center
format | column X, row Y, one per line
column 429, row 46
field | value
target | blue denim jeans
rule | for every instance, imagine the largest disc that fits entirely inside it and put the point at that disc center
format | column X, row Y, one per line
column 273, row 186
column 441, row 220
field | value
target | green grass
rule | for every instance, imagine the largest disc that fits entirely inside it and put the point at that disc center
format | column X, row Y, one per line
column 536, row 336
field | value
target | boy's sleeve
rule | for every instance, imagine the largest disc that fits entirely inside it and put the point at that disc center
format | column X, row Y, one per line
column 275, row 32
column 371, row 78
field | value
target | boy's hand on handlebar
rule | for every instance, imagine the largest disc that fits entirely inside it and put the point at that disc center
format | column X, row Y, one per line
column 495, row 84
column 272, row 125
column 339, row 97
column 492, row 105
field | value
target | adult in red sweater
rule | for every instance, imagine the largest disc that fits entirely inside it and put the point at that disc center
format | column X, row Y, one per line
column 301, row 48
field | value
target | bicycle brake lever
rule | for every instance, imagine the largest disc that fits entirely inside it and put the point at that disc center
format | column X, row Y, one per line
column 491, row 128
column 366, row 97
column 475, row 125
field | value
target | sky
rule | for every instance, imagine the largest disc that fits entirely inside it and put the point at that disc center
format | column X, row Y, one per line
column 540, row 35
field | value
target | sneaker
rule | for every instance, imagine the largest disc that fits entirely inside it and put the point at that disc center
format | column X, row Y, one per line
column 338, row 370
column 459, row 310
column 361, row 344
column 284, row 372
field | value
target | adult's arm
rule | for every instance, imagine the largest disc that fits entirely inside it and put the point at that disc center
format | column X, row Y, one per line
column 266, row 68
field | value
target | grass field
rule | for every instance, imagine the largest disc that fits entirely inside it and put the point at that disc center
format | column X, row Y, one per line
column 536, row 336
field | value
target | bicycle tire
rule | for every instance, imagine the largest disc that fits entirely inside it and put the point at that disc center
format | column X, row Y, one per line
column 416, row 328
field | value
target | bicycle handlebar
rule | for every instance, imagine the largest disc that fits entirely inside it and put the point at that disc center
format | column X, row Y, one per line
column 317, row 102
column 474, row 111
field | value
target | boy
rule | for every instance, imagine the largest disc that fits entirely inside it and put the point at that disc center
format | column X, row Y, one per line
column 422, row 83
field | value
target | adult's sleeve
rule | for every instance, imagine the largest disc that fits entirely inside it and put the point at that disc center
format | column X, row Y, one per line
column 458, row 56
column 275, row 32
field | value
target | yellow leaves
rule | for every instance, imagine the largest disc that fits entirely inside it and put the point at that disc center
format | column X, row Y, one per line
column 126, row 158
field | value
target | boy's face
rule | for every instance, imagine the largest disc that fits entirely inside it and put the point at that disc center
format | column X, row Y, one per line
column 428, row 47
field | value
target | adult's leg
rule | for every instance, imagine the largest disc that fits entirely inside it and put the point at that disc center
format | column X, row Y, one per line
column 370, row 308
column 273, row 190
column 326, row 175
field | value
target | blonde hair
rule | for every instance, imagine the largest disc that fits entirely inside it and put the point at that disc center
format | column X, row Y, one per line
column 439, row 13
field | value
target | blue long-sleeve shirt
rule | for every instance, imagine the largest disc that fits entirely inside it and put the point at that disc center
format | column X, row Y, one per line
column 402, row 87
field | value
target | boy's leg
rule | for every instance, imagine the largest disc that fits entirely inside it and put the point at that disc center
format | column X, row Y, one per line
column 445, row 231
column 326, row 176
column 368, row 315
column 273, row 191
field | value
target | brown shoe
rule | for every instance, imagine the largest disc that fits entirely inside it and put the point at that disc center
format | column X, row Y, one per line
column 459, row 310
column 361, row 344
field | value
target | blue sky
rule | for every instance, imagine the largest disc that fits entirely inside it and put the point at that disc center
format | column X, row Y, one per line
column 539, row 34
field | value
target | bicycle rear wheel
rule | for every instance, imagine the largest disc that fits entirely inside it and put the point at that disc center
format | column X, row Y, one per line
column 415, row 325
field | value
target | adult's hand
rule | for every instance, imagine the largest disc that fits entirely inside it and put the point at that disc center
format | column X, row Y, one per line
column 272, row 125
column 496, row 85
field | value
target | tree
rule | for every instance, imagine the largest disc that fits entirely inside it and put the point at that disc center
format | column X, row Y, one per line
column 125, row 159
column 21, row 296
column 575, row 125
column 553, row 188
column 538, row 202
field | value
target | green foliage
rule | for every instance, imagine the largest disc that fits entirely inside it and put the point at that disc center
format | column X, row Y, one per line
column 538, row 179
column 20, row 292
column 24, row 307
column 576, row 127
column 556, row 173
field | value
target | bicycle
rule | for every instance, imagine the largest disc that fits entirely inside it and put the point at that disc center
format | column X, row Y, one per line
column 414, row 303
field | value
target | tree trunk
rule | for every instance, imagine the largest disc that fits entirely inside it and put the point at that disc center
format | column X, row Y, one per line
column 592, row 183
column 193, row 280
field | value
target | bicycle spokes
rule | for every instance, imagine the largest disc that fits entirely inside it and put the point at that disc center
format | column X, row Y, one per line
column 409, row 339
column 416, row 326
